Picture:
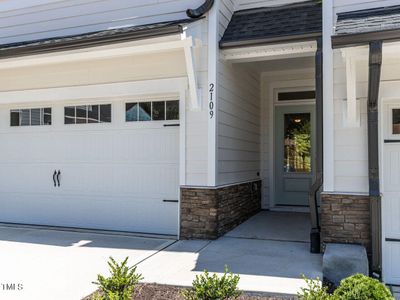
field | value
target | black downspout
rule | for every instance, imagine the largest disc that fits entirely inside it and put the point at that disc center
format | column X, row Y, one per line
column 200, row 11
column 315, row 235
column 375, row 65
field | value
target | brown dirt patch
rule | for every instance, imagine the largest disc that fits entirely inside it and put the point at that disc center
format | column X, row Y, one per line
column 151, row 291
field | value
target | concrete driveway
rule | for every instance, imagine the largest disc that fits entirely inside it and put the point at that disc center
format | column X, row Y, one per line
column 61, row 265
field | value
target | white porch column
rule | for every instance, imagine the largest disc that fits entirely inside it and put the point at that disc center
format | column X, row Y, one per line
column 212, row 105
column 329, row 170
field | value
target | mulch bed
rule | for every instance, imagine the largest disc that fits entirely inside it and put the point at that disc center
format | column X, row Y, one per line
column 151, row 291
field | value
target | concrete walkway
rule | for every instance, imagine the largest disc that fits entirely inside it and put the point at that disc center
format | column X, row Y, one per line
column 62, row 265
column 264, row 266
column 261, row 250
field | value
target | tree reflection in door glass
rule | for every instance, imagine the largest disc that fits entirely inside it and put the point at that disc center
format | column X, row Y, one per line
column 297, row 143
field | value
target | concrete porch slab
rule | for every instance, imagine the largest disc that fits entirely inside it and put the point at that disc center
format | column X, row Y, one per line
column 279, row 226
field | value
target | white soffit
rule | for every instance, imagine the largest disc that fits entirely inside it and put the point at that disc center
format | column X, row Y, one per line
column 270, row 52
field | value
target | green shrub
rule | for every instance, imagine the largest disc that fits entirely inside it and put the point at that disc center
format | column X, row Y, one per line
column 360, row 287
column 356, row 287
column 120, row 285
column 206, row 287
column 314, row 290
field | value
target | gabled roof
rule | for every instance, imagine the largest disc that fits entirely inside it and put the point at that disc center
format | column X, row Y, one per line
column 92, row 39
column 274, row 24
column 362, row 26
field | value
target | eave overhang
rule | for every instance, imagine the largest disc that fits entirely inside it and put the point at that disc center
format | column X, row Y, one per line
column 95, row 39
column 359, row 39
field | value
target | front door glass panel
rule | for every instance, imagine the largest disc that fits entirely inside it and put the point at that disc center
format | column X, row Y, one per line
column 297, row 143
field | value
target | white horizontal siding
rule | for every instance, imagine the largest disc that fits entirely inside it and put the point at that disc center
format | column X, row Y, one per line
column 36, row 20
column 238, row 124
column 248, row 4
column 350, row 5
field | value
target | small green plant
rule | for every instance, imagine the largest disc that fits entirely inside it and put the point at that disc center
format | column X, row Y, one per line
column 361, row 287
column 206, row 287
column 314, row 290
column 120, row 285
column 356, row 287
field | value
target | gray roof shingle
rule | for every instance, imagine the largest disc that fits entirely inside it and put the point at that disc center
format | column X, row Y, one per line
column 271, row 23
column 368, row 20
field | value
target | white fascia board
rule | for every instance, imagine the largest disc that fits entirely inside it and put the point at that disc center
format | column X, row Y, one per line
column 163, row 87
column 269, row 52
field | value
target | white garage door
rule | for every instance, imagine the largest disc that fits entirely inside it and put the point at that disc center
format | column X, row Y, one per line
column 115, row 175
column 391, row 193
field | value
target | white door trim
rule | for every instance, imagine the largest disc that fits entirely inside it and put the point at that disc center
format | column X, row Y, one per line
column 273, row 87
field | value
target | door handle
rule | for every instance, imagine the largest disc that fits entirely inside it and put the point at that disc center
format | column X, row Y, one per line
column 58, row 177
column 54, row 177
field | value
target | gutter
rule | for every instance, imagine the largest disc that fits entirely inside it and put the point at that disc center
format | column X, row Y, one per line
column 375, row 66
column 315, row 235
column 201, row 10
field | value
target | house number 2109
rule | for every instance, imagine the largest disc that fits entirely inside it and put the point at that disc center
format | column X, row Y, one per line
column 211, row 101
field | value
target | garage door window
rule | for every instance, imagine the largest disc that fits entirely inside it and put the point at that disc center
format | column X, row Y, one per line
column 152, row 111
column 396, row 121
column 30, row 117
column 84, row 114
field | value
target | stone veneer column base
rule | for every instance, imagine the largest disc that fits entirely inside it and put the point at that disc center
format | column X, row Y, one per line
column 346, row 219
column 210, row 213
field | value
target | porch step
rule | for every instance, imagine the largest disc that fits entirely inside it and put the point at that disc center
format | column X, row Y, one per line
column 343, row 260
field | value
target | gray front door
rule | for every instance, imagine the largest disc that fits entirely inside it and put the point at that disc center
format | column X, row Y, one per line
column 294, row 159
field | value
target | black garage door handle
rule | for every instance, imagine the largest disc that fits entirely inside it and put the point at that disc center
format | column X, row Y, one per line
column 54, row 177
column 58, row 177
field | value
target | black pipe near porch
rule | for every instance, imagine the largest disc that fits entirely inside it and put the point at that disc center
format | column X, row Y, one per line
column 315, row 235
column 375, row 66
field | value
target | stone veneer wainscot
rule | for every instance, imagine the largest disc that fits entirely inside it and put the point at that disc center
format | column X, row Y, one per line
column 346, row 219
column 210, row 213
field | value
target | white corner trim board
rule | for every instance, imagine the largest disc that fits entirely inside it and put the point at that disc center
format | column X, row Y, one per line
column 171, row 86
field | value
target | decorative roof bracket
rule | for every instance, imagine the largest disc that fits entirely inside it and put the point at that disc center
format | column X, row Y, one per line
column 201, row 10
column 352, row 108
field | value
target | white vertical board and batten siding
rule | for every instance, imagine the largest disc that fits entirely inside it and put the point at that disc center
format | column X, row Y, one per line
column 238, row 128
column 33, row 20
